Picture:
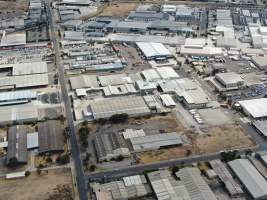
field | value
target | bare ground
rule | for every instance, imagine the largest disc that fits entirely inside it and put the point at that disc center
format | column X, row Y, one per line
column 36, row 187
column 122, row 9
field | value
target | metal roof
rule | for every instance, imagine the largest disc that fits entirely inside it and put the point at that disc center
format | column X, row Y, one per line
column 17, row 95
column 152, row 49
column 105, row 108
column 250, row 177
column 83, row 81
column 150, row 142
column 255, row 107
column 116, row 79
column 26, row 68
column 13, row 39
column 196, row 186
column 167, row 73
column 32, row 140
column 229, row 78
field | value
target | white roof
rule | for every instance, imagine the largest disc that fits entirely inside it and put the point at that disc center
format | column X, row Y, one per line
column 132, row 180
column 167, row 100
column 32, row 140
column 152, row 49
column 255, row 107
column 150, row 75
column 15, row 175
column 205, row 51
column 167, row 73
column 81, row 92
column 130, row 133
column 195, row 42
column 114, row 79
column 13, row 39
column 17, row 95
column 83, row 81
column 250, row 177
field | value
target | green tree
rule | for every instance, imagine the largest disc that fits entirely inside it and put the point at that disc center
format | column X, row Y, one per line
column 27, row 173
column 92, row 168
column 63, row 159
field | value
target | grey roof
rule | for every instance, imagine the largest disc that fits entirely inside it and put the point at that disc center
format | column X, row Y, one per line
column 260, row 62
column 147, row 15
column 261, row 126
column 26, row 68
column 196, row 186
column 50, row 136
column 105, row 108
column 83, row 81
column 250, row 177
column 229, row 78
column 116, row 79
column 17, row 143
column 156, row 141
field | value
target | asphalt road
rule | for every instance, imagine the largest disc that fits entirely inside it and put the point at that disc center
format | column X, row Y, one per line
column 80, row 178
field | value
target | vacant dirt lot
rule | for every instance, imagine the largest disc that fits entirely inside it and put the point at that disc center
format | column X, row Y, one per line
column 216, row 139
column 35, row 187
column 122, row 9
column 219, row 138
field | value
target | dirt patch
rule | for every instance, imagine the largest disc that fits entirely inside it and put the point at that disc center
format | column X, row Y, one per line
column 122, row 9
column 36, row 187
column 219, row 138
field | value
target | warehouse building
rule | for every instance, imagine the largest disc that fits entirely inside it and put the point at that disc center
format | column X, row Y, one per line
column 131, row 105
column 116, row 79
column 130, row 188
column 131, row 133
column 110, row 146
column 51, row 139
column 156, row 141
column 204, row 51
column 162, row 73
column 196, row 186
column 128, row 27
column 24, row 81
column 18, row 114
column 83, row 81
column 167, row 100
column 170, row 26
column 255, row 108
column 18, row 69
column 153, row 50
column 233, row 188
column 17, row 144
column 260, row 62
column 186, row 91
column 13, row 39
column 147, row 16
column 261, row 126
column 227, row 81
column 118, row 90
column 145, row 86
column 185, row 14
column 170, row 9
column 252, row 180
column 165, row 186
column 17, row 97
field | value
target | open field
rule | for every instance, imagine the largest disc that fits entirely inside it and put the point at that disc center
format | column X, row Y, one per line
column 219, row 138
column 216, row 139
column 121, row 9
column 36, row 187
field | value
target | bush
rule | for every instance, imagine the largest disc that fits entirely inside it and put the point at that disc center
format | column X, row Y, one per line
column 102, row 121
column 92, row 168
column 119, row 118
column 63, row 159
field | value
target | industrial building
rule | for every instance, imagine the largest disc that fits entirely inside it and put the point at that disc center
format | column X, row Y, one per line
column 116, row 79
column 185, row 14
column 255, row 108
column 232, row 186
column 51, row 139
column 17, row 144
column 186, row 91
column 130, row 133
column 131, row 187
column 131, row 105
column 153, row 50
column 156, row 141
column 119, row 90
column 162, row 73
column 261, row 126
column 167, row 100
column 17, row 97
column 147, row 16
column 260, row 62
column 110, row 146
column 165, row 186
column 18, row 113
column 196, row 186
column 13, row 39
column 252, row 180
column 227, row 81
column 83, row 81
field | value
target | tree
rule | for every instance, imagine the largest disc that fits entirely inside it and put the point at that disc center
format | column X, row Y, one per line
column 119, row 158
column 39, row 171
column 102, row 121
column 175, row 169
column 188, row 152
column 13, row 162
column 63, row 159
column 119, row 118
